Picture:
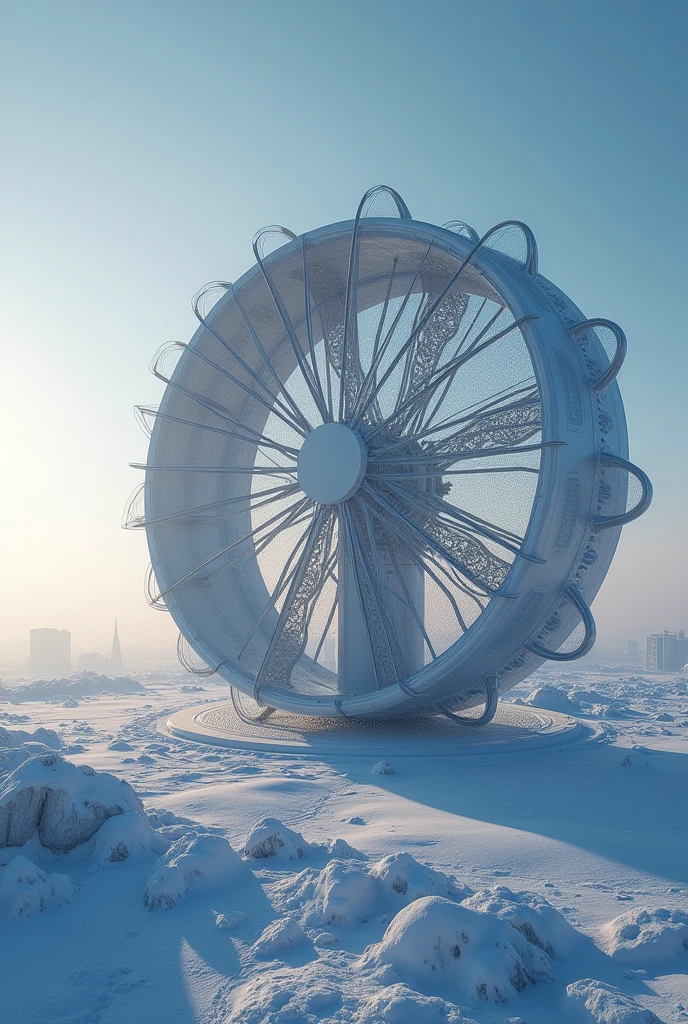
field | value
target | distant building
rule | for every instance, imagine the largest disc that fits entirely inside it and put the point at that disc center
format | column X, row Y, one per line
column 666, row 652
column 632, row 652
column 116, row 667
column 50, row 653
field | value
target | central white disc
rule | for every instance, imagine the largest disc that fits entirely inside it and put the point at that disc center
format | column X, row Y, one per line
column 331, row 464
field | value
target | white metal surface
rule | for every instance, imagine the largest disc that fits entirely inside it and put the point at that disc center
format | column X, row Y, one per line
column 479, row 407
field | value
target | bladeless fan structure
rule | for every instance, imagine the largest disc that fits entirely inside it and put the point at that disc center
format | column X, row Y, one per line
column 388, row 473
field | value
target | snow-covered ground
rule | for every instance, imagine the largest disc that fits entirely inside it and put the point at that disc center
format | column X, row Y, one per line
column 237, row 887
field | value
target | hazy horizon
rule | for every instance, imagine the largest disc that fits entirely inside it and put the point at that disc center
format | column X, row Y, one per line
column 144, row 146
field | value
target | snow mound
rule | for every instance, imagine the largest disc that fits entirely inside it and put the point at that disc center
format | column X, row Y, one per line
column 12, row 757
column 340, row 849
column 87, row 685
column 397, row 1004
column 126, row 837
column 317, row 992
column 63, row 803
column 271, row 838
column 642, row 936
column 479, row 955
column 608, row 1005
column 382, row 768
column 283, row 934
column 551, row 698
column 191, row 865
column 26, row 890
column 341, row 894
column 531, row 914
column 121, row 745
column 404, row 880
column 18, row 737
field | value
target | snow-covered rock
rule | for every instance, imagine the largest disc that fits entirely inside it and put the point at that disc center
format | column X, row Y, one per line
column 64, row 804
column 404, row 879
column 280, row 935
column 642, row 936
column 477, row 954
column 551, row 698
column 12, row 757
column 532, row 915
column 191, row 865
column 382, row 768
column 342, row 894
column 608, row 1005
column 271, row 838
column 17, row 737
column 26, row 890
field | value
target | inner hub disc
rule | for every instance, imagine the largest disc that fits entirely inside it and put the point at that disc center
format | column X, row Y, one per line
column 331, row 464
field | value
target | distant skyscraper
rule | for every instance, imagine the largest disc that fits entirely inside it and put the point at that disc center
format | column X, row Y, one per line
column 632, row 652
column 50, row 653
column 666, row 652
column 116, row 663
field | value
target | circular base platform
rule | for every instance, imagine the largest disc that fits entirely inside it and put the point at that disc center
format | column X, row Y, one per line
column 514, row 727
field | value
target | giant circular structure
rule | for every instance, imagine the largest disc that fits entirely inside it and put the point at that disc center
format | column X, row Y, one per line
column 389, row 471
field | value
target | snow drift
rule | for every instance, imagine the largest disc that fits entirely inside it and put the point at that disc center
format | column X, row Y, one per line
column 479, row 955
column 643, row 936
column 26, row 890
column 193, row 864
column 88, row 685
column 606, row 1004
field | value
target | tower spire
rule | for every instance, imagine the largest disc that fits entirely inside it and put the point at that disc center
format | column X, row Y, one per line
column 116, row 663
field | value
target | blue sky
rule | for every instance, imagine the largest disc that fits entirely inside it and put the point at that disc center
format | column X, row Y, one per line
column 145, row 143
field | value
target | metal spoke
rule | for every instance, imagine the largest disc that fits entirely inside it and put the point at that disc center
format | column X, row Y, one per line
column 328, row 623
column 264, row 442
column 285, row 578
column 289, row 638
column 311, row 383
column 446, row 371
column 418, row 561
column 309, row 332
column 252, row 534
column 235, row 355
column 306, row 426
column 469, row 547
column 364, row 403
column 270, row 495
column 429, row 505
column 212, row 408
column 250, row 470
